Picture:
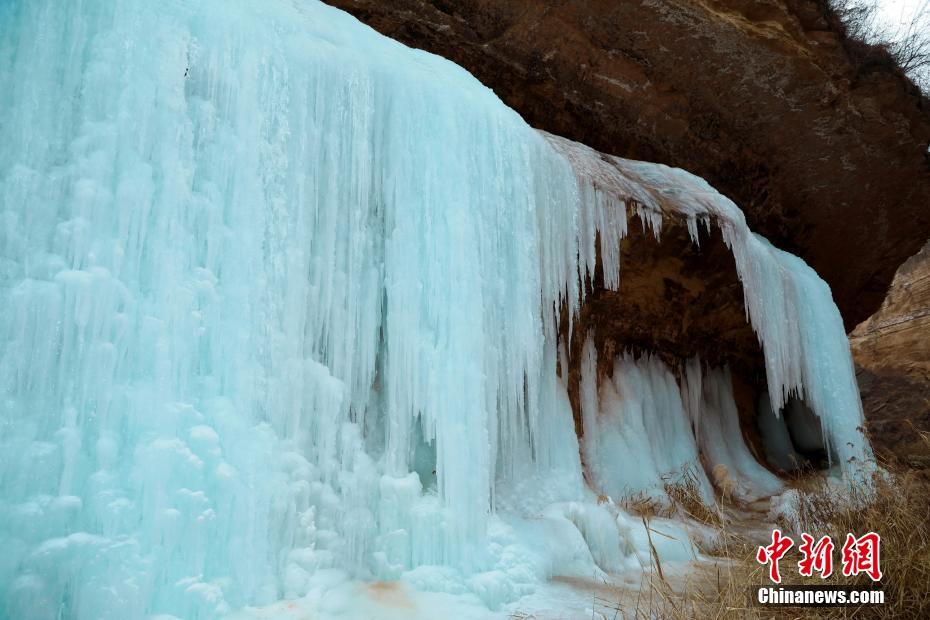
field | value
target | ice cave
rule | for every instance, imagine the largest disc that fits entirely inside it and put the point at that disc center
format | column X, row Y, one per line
column 286, row 311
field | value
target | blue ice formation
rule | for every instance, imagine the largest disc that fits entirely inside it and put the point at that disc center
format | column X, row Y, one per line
column 278, row 306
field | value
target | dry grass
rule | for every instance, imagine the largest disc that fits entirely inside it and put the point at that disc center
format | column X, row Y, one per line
column 898, row 509
column 685, row 494
column 643, row 505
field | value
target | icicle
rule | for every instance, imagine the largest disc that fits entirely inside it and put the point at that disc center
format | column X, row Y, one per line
column 691, row 386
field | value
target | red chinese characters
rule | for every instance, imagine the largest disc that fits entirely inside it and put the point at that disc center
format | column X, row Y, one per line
column 859, row 555
column 817, row 557
column 773, row 553
column 862, row 555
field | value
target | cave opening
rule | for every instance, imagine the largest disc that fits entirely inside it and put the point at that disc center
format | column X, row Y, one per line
column 680, row 301
column 793, row 439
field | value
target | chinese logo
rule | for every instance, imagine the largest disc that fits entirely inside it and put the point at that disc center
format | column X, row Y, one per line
column 858, row 555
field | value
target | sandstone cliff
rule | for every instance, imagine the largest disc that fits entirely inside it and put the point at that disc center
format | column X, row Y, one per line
column 892, row 353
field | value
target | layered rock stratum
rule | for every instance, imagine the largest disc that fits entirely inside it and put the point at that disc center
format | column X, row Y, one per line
column 892, row 354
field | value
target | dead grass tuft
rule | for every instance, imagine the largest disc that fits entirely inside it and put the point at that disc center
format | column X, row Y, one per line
column 685, row 493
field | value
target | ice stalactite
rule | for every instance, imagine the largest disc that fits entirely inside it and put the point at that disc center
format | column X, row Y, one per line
column 721, row 442
column 278, row 307
column 637, row 435
column 638, row 438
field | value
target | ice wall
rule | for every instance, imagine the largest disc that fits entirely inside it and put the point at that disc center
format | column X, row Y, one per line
column 260, row 264
column 278, row 306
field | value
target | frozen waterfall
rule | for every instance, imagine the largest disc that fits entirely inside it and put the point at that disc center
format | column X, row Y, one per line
column 278, row 310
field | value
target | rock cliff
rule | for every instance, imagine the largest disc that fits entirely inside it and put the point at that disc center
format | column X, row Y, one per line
column 892, row 353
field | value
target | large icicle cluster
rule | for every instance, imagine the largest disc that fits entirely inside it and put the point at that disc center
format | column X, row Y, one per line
column 789, row 306
column 278, row 305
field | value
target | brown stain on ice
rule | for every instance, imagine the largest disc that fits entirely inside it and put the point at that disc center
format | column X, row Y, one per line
column 388, row 593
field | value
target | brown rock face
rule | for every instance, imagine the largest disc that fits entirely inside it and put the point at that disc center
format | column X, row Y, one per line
column 676, row 299
column 892, row 353
column 826, row 155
